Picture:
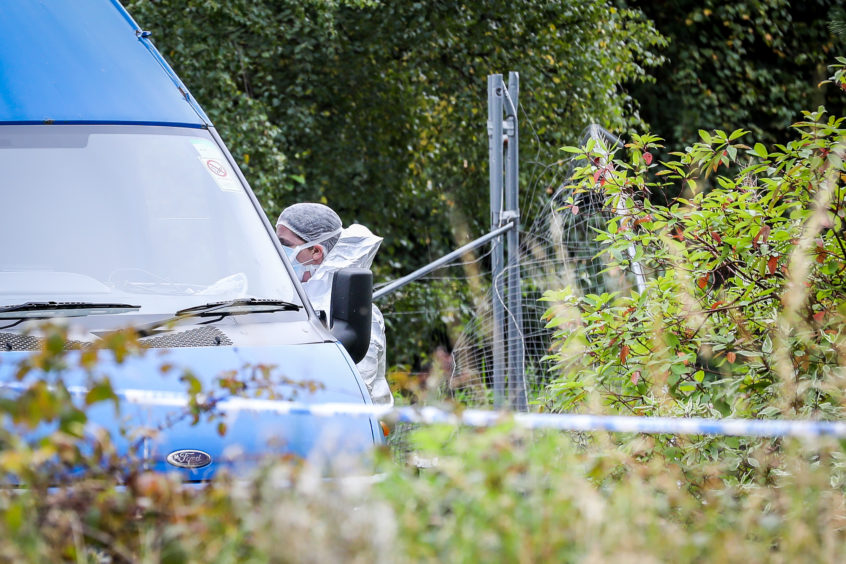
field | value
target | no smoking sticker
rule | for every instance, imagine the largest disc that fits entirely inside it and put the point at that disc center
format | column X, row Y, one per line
column 220, row 173
column 216, row 168
column 215, row 163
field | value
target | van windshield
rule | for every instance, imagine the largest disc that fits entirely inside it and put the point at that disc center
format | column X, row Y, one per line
column 152, row 216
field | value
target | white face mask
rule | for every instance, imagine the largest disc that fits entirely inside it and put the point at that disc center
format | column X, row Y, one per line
column 300, row 268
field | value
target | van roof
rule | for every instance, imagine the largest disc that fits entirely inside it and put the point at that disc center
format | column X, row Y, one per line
column 85, row 61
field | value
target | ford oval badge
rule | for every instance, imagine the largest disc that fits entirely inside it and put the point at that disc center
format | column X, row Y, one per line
column 189, row 458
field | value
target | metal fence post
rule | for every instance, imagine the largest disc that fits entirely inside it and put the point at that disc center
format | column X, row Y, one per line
column 495, row 95
column 516, row 368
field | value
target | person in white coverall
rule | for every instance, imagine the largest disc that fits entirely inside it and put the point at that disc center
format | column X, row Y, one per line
column 318, row 245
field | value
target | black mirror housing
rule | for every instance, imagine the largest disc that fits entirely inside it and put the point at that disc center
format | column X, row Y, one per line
column 351, row 312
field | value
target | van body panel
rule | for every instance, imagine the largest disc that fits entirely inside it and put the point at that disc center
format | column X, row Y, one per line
column 85, row 61
column 309, row 374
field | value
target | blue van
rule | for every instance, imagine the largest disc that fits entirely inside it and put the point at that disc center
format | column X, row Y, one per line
column 121, row 206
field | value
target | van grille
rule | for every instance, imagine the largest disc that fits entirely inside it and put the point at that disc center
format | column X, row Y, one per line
column 199, row 337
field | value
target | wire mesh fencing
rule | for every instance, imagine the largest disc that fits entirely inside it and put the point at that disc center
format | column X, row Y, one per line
column 557, row 250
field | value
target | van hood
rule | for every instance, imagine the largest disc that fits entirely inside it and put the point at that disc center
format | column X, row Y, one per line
column 306, row 373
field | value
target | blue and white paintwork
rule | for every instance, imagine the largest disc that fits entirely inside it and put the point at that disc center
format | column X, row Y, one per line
column 85, row 61
column 156, row 399
column 88, row 62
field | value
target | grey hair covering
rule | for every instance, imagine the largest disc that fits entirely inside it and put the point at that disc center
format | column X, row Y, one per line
column 310, row 221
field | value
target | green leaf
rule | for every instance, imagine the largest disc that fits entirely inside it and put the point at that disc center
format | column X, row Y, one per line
column 14, row 514
column 102, row 391
column 612, row 227
column 732, row 152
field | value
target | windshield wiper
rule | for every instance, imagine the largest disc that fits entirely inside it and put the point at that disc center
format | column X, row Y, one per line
column 46, row 310
column 40, row 310
column 219, row 310
column 235, row 307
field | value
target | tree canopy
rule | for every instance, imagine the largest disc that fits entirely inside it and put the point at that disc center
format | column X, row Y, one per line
column 361, row 104
column 379, row 108
column 752, row 63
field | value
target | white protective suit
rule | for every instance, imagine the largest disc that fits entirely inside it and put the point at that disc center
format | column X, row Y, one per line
column 356, row 247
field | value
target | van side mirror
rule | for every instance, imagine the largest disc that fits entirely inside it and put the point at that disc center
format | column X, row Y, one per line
column 350, row 311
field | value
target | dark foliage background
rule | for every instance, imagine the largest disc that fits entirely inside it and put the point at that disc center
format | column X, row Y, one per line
column 379, row 108
column 753, row 63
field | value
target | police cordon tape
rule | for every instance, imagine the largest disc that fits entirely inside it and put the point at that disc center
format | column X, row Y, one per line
column 487, row 418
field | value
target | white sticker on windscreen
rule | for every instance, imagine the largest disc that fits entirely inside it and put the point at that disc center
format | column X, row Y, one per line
column 215, row 164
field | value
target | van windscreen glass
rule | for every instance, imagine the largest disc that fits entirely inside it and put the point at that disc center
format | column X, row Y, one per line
column 153, row 216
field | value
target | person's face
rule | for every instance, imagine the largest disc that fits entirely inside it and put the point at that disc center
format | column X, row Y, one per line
column 309, row 255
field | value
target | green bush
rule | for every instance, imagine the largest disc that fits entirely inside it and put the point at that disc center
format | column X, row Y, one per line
column 743, row 309
column 742, row 313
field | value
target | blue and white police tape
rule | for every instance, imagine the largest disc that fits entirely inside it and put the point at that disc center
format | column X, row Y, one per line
column 487, row 418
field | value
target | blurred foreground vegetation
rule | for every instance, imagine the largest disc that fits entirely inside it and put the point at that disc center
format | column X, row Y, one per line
column 494, row 495
column 500, row 494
